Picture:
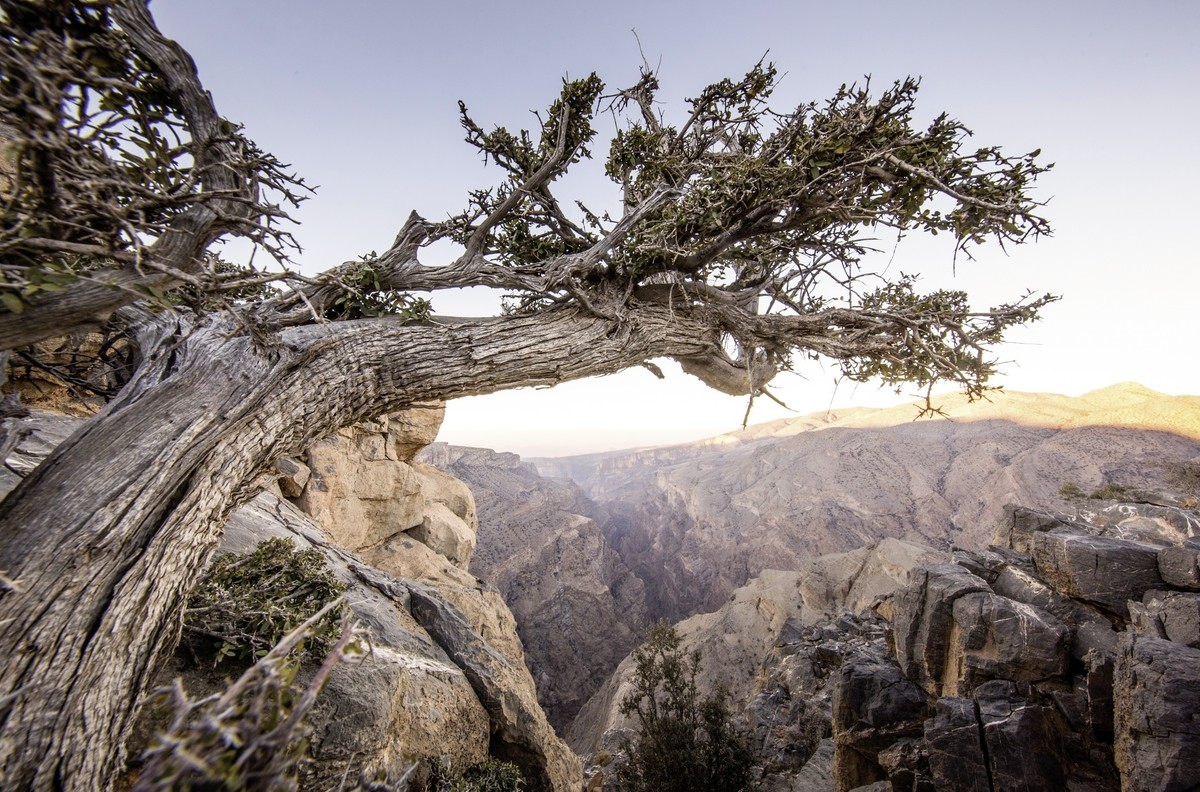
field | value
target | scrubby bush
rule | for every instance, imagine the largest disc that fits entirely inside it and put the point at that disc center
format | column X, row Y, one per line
column 490, row 775
column 683, row 743
column 247, row 602
column 1071, row 491
column 1110, row 491
column 253, row 736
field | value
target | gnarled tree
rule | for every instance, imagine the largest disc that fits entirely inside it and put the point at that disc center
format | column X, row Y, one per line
column 737, row 249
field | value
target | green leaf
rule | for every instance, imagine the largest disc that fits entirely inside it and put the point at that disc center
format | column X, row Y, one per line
column 12, row 302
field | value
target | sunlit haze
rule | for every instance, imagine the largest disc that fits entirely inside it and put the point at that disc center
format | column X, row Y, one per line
column 361, row 98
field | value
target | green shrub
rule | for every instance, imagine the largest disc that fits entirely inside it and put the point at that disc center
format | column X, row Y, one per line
column 1071, row 491
column 1110, row 491
column 247, row 602
column 683, row 743
column 490, row 775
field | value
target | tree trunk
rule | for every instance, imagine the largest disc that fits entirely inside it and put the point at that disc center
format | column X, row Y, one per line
column 108, row 535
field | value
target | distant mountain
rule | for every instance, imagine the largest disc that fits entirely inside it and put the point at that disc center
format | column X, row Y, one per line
column 696, row 521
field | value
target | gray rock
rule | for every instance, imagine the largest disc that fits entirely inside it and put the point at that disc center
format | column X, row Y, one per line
column 1106, row 572
column 1019, row 525
column 1179, row 614
column 817, row 773
column 1023, row 745
column 874, row 706
column 1022, row 585
column 996, row 638
column 520, row 732
column 1157, row 725
column 923, row 618
column 953, row 739
column 1180, row 565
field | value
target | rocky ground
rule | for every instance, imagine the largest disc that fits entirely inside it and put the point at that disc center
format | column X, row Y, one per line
column 1064, row 656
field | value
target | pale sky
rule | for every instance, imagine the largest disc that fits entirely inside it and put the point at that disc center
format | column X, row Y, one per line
column 360, row 96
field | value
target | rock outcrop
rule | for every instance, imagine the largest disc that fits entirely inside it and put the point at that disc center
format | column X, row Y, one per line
column 1045, row 668
column 1006, row 668
column 774, row 645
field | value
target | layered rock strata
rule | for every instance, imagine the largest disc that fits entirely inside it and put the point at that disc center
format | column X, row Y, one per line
column 696, row 521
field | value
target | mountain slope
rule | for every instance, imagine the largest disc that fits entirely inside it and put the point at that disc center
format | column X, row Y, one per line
column 695, row 521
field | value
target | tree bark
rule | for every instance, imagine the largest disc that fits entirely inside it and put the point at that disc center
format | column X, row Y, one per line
column 109, row 534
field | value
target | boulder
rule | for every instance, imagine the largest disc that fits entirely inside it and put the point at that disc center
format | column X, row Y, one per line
column 411, row 430
column 1179, row 565
column 922, row 616
column 445, row 533
column 995, row 638
column 1157, row 729
column 1105, row 572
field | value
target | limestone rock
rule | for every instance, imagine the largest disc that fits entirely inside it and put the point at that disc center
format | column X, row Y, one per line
column 446, row 533
column 1157, row 742
column 579, row 609
column 1106, row 572
column 359, row 490
column 759, row 617
column 293, row 476
column 520, row 731
column 413, row 429
column 696, row 521
column 364, row 487
column 406, row 699
column 445, row 677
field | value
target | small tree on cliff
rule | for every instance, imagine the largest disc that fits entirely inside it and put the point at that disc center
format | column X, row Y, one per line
column 683, row 744
column 736, row 250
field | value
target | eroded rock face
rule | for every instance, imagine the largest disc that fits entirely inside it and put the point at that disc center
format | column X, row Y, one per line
column 777, row 644
column 364, row 487
column 1095, row 569
column 1157, row 686
column 579, row 609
